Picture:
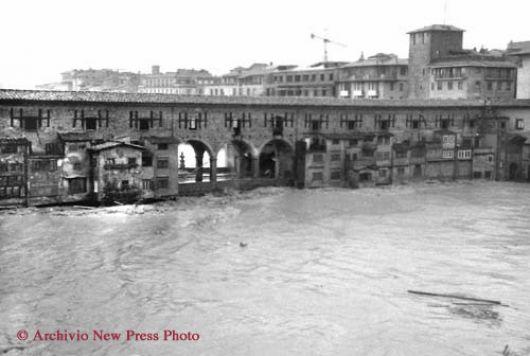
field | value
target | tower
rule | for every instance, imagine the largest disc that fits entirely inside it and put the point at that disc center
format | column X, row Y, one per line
column 426, row 45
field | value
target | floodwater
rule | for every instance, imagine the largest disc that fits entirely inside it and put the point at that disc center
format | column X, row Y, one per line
column 276, row 272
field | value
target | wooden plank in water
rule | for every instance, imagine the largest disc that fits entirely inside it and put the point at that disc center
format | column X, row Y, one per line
column 443, row 295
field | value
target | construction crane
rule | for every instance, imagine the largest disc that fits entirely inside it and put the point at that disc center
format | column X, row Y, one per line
column 326, row 41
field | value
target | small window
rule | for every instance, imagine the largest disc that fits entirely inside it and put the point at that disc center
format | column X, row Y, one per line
column 131, row 161
column 335, row 142
column 162, row 146
column 147, row 184
column 335, row 175
column 487, row 174
column 353, row 143
column 125, row 185
column 162, row 163
column 147, row 160
column 144, row 125
column 519, row 124
column 31, row 124
column 401, row 171
column 9, row 148
column 162, row 182
column 77, row 185
column 91, row 124
column 317, row 176
column 365, row 177
column 318, row 158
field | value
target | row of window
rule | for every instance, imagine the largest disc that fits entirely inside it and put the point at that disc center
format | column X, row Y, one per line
column 199, row 120
column 450, row 85
column 300, row 92
column 296, row 78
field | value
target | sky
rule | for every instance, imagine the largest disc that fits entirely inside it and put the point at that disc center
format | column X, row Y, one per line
column 41, row 39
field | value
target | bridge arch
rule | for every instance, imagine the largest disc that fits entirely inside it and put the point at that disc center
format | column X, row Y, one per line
column 241, row 158
column 276, row 159
column 202, row 158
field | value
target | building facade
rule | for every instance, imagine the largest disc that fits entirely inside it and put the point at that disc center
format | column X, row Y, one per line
column 520, row 51
column 382, row 76
column 318, row 80
column 439, row 68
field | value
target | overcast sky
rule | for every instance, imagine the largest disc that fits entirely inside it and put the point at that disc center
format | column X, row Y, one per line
column 40, row 39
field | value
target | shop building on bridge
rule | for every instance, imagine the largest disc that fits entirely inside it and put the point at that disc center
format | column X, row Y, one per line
column 309, row 142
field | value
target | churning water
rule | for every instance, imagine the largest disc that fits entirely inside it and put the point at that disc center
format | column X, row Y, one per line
column 276, row 272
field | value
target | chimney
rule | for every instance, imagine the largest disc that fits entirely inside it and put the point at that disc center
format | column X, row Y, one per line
column 155, row 69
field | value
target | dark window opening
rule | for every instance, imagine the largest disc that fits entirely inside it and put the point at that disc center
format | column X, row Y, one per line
column 144, row 124
column 77, row 185
column 335, row 175
column 162, row 163
column 31, row 124
column 162, row 146
column 9, row 148
column 162, row 182
column 147, row 160
column 49, row 165
column 91, row 123
column 125, row 185
column 365, row 177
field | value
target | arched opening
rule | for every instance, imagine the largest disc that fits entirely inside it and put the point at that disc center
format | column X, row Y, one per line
column 276, row 160
column 195, row 163
column 240, row 160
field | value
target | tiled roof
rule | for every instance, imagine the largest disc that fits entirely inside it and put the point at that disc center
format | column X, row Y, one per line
column 378, row 60
column 471, row 63
column 518, row 48
column 109, row 145
column 18, row 140
column 438, row 28
column 160, row 139
column 13, row 96
column 74, row 136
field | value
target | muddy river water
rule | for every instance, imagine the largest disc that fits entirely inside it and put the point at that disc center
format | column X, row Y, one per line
column 275, row 272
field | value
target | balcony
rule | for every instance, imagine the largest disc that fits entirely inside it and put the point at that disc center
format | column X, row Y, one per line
column 358, row 93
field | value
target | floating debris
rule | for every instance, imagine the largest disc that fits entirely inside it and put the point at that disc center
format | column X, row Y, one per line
column 443, row 295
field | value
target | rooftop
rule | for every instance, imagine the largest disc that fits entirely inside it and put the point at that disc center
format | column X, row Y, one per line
column 518, row 48
column 448, row 28
column 448, row 62
column 15, row 96
column 113, row 144
column 380, row 59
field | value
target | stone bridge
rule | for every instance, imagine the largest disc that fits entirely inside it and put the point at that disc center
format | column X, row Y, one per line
column 261, row 134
